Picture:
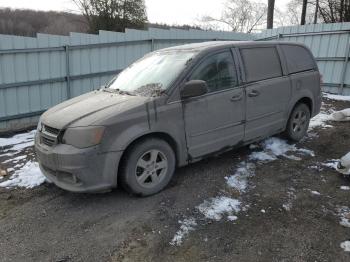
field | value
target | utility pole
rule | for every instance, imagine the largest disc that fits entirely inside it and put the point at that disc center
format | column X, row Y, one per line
column 303, row 13
column 270, row 9
column 316, row 11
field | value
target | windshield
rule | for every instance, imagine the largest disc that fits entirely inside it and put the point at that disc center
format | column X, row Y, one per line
column 151, row 75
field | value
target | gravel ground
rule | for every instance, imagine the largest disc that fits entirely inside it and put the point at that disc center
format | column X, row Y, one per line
column 290, row 212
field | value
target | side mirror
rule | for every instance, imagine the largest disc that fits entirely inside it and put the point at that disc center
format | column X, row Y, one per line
column 194, row 88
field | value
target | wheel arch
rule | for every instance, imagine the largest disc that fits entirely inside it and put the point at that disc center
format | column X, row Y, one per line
column 160, row 135
column 305, row 100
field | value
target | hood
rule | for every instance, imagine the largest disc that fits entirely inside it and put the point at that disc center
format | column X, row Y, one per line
column 78, row 108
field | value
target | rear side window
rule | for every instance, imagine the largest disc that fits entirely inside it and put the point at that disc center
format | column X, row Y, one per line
column 261, row 63
column 218, row 71
column 298, row 58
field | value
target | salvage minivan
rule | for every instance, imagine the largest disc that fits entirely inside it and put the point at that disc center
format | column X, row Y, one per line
column 176, row 106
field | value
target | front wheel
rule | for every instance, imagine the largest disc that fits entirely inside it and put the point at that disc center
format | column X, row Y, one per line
column 298, row 122
column 148, row 167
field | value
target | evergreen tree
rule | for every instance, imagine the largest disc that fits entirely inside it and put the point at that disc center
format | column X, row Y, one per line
column 113, row 15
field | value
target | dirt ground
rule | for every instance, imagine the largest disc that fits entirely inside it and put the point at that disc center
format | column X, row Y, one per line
column 48, row 224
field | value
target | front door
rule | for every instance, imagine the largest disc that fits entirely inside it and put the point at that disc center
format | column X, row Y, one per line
column 215, row 121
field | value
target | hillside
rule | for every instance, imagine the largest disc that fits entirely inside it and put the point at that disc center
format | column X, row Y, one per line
column 30, row 22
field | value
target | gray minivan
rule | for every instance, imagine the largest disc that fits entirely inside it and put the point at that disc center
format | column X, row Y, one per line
column 176, row 106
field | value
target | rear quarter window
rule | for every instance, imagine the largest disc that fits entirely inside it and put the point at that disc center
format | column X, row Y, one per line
column 261, row 63
column 298, row 58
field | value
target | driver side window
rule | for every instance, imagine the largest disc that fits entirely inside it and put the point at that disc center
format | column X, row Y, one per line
column 218, row 71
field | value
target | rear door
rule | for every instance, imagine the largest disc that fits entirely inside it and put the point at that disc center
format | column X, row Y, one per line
column 267, row 91
column 214, row 121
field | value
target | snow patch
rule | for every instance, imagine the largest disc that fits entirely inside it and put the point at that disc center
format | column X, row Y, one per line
column 274, row 147
column 316, row 167
column 315, row 193
column 216, row 207
column 333, row 163
column 261, row 156
column 344, row 214
column 15, row 144
column 341, row 116
column 291, row 197
column 287, row 206
column 336, row 97
column 344, row 222
column 320, row 121
column 344, row 167
column 17, row 139
column 28, row 176
column 346, row 246
column 232, row 218
column 16, row 159
column 187, row 225
column 239, row 180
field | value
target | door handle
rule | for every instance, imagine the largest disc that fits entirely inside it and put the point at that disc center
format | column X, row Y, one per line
column 254, row 93
column 237, row 97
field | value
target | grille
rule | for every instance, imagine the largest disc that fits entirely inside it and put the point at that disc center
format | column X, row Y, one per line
column 48, row 141
column 51, row 130
column 49, row 135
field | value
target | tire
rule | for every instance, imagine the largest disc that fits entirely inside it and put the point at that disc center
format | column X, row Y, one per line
column 298, row 122
column 148, row 167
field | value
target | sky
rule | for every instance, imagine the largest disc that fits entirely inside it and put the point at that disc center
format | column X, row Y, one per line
column 158, row 11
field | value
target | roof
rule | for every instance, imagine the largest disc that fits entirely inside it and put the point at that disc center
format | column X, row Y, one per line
column 204, row 46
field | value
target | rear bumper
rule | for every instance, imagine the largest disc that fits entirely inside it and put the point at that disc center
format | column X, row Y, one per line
column 78, row 170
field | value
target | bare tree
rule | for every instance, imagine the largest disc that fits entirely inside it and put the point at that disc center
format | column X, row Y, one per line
column 239, row 15
column 333, row 11
column 322, row 11
column 113, row 15
column 270, row 10
column 294, row 11
column 316, row 11
column 303, row 12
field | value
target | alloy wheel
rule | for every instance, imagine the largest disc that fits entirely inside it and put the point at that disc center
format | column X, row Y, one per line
column 299, row 121
column 151, row 168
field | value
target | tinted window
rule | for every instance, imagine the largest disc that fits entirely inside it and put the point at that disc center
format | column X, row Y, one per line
column 218, row 71
column 261, row 63
column 298, row 58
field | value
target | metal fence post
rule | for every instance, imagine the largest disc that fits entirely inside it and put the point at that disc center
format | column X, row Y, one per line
column 66, row 49
column 345, row 65
column 152, row 44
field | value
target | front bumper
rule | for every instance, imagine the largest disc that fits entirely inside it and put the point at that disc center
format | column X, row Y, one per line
column 78, row 170
column 317, row 106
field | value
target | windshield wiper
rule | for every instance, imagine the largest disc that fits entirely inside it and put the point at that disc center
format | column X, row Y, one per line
column 106, row 89
column 118, row 91
column 123, row 92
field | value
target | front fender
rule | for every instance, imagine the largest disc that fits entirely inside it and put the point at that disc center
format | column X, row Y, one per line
column 164, row 121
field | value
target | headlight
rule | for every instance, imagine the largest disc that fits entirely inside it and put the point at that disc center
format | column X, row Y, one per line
column 39, row 126
column 82, row 137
